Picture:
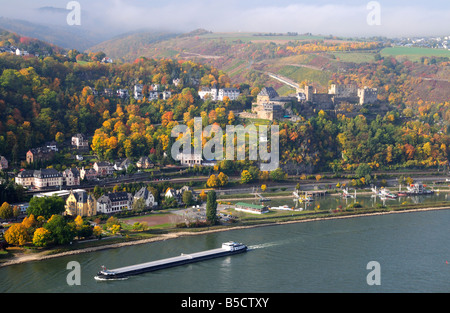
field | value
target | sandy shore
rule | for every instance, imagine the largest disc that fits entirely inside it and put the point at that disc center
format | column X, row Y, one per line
column 22, row 258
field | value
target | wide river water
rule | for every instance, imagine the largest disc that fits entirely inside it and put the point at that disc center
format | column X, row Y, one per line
column 412, row 250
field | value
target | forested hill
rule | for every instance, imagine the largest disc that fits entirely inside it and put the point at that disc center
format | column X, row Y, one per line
column 31, row 45
column 52, row 98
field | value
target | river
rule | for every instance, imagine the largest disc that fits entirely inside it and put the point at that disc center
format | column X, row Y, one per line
column 412, row 250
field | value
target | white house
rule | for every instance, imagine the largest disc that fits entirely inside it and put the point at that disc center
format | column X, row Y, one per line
column 170, row 193
column 138, row 92
column 214, row 94
column 79, row 141
column 122, row 165
column 190, row 159
column 231, row 93
column 147, row 196
column 122, row 93
column 114, row 202
column 206, row 92
column 21, row 52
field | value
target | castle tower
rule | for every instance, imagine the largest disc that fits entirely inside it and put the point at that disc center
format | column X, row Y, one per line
column 309, row 93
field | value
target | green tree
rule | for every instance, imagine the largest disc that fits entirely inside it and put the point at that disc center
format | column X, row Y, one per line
column 61, row 232
column 363, row 170
column 46, row 206
column 278, row 174
column 211, row 207
column 187, row 198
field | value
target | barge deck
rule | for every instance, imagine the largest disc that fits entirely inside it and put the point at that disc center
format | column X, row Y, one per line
column 227, row 248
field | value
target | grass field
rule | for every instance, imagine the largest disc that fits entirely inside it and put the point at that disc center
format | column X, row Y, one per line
column 355, row 57
column 413, row 53
column 246, row 37
column 300, row 74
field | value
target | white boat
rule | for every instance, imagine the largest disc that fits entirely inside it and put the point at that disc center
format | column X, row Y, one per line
column 418, row 189
column 384, row 193
column 303, row 198
column 346, row 194
column 282, row 208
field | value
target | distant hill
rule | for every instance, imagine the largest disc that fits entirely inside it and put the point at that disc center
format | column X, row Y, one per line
column 129, row 46
column 307, row 59
column 64, row 36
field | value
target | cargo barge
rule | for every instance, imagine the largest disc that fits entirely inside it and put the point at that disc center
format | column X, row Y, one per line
column 228, row 248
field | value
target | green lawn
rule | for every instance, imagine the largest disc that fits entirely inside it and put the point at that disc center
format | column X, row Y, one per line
column 355, row 57
column 246, row 37
column 413, row 53
column 300, row 74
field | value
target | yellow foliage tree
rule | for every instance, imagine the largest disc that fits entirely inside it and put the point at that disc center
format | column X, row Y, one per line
column 203, row 195
column 17, row 234
column 41, row 237
column 213, row 181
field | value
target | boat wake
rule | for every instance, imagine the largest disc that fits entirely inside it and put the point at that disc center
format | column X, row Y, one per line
column 263, row 245
column 109, row 279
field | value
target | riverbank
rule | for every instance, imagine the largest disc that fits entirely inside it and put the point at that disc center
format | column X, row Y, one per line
column 30, row 257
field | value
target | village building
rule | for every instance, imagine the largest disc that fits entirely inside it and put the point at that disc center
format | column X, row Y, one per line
column 251, row 208
column 40, row 178
column 40, row 154
column 103, row 168
column 80, row 142
column 190, row 159
column 138, row 92
column 218, row 94
column 25, row 178
column 47, row 178
column 171, row 193
column 80, row 203
column 145, row 163
column 147, row 196
column 71, row 177
column 122, row 93
column 89, row 174
column 3, row 163
column 114, row 202
column 121, row 165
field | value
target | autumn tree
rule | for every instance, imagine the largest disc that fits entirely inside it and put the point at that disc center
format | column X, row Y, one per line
column 41, row 237
column 17, row 234
column 213, row 181
column 223, row 179
column 246, row 177
column 203, row 195
column 6, row 211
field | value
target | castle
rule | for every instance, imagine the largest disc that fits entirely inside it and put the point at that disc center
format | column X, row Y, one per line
column 341, row 93
column 270, row 105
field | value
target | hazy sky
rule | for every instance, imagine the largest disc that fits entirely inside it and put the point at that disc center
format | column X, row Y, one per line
column 342, row 18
